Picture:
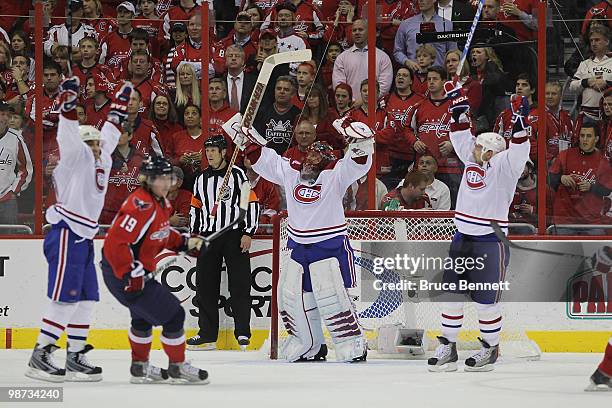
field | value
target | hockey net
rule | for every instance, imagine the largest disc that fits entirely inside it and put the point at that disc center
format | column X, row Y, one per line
column 416, row 229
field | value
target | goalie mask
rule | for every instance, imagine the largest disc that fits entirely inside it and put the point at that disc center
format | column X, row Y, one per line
column 318, row 156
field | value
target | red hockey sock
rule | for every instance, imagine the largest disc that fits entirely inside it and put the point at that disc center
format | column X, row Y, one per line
column 141, row 346
column 606, row 365
column 174, row 348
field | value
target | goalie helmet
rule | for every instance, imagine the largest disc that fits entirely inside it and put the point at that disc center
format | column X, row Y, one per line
column 491, row 141
column 88, row 133
column 319, row 155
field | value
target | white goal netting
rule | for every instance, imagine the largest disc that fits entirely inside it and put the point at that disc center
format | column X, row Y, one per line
column 381, row 235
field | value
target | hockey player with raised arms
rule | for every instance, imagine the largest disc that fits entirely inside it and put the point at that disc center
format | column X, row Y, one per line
column 81, row 180
column 486, row 191
column 321, row 266
column 140, row 231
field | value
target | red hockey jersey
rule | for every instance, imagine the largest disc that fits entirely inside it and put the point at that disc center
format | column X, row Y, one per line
column 503, row 126
column 431, row 125
column 122, row 182
column 529, row 197
column 139, row 233
column 399, row 113
column 559, row 133
column 146, row 137
column 114, row 48
column 568, row 206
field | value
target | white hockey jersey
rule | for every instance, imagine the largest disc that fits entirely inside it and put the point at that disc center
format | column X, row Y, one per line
column 591, row 68
column 81, row 181
column 315, row 210
column 58, row 34
column 485, row 193
column 15, row 163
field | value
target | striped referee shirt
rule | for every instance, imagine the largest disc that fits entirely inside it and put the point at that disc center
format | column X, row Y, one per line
column 205, row 191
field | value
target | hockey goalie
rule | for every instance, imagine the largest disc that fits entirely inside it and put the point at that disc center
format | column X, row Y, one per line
column 312, row 288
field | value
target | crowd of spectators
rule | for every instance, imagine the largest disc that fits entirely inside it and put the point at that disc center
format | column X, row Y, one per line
column 156, row 44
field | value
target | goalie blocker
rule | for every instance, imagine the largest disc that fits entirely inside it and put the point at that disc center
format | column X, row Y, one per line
column 313, row 289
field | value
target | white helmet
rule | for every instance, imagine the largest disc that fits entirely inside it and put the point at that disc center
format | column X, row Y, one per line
column 88, row 132
column 490, row 141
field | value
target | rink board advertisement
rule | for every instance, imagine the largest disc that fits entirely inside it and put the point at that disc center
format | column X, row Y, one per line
column 553, row 296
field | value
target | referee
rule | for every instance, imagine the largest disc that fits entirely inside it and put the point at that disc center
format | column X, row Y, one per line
column 233, row 247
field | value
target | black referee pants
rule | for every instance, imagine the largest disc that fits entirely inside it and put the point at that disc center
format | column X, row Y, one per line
column 208, row 283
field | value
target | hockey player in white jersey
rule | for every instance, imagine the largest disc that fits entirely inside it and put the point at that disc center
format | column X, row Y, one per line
column 321, row 266
column 487, row 188
column 81, row 179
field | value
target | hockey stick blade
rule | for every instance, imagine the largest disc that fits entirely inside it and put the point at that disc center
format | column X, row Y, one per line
column 503, row 238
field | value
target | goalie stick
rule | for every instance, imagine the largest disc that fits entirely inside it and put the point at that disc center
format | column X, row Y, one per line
column 69, row 29
column 504, row 239
column 245, row 193
column 251, row 110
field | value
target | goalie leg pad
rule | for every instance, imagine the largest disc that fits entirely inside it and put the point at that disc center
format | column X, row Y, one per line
column 292, row 307
column 337, row 310
column 312, row 313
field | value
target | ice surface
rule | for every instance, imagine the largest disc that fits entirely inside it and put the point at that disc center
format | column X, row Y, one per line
column 248, row 380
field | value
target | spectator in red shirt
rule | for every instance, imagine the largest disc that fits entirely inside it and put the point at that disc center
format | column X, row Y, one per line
column 327, row 69
column 431, row 126
column 410, row 196
column 220, row 111
column 152, row 24
column 471, row 87
column 305, row 78
column 188, row 89
column 523, row 207
column 97, row 103
column 163, row 115
column 180, row 200
column 188, row 146
column 139, row 41
column 525, row 86
column 93, row 15
column 146, row 137
column 340, row 31
column 242, row 36
column 183, row 11
column 343, row 96
column 316, row 112
column 257, row 17
column 123, row 179
column 88, row 66
column 19, row 85
column 559, row 126
column 425, row 57
column 116, row 45
column 305, row 135
column 572, row 175
column 305, row 20
column 139, row 69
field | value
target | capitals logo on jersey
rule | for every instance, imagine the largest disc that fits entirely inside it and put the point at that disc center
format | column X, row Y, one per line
column 307, row 194
column 278, row 131
column 141, row 204
column 475, row 176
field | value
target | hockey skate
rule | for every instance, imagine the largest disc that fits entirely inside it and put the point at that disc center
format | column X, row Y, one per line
column 484, row 359
column 42, row 366
column 79, row 369
column 243, row 342
column 196, row 343
column 320, row 356
column 185, row 373
column 445, row 357
column 144, row 373
column 599, row 382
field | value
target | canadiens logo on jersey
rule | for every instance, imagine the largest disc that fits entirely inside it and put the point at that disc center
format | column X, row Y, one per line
column 474, row 176
column 100, row 179
column 307, row 194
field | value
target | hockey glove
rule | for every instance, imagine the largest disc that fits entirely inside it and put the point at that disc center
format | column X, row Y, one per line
column 118, row 109
column 353, row 131
column 135, row 280
column 520, row 113
column 242, row 136
column 459, row 106
column 192, row 245
column 69, row 94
